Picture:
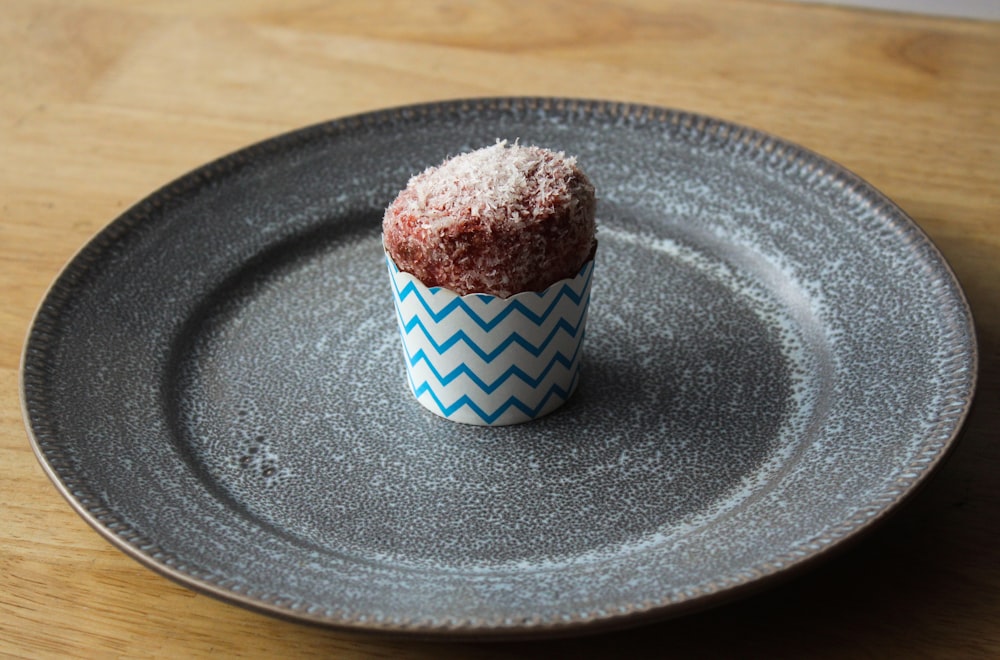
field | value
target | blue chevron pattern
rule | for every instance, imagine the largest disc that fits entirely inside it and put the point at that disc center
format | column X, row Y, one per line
column 515, row 306
column 489, row 356
column 485, row 360
column 489, row 388
column 555, row 394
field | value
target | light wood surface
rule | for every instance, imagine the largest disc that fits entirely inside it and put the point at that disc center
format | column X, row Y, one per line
column 102, row 101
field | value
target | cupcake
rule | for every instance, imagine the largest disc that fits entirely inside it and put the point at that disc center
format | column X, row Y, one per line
column 490, row 256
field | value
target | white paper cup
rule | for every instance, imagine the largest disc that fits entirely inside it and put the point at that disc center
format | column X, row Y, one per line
column 480, row 359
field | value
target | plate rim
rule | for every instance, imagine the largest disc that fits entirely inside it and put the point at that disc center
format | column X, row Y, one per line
column 761, row 576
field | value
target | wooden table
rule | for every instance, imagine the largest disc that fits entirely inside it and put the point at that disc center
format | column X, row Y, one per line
column 102, row 101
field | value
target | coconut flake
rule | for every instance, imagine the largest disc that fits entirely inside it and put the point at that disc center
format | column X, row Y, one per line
column 502, row 219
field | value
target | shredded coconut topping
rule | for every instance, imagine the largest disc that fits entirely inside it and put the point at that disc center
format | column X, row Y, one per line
column 498, row 184
column 500, row 220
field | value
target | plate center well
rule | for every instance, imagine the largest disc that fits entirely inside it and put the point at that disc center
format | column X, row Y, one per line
column 290, row 399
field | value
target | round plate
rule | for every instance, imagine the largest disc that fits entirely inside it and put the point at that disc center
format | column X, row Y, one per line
column 776, row 356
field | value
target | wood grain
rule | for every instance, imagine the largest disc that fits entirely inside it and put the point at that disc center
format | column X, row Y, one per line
column 102, row 101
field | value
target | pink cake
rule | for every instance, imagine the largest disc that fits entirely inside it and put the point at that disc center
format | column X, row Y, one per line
column 500, row 220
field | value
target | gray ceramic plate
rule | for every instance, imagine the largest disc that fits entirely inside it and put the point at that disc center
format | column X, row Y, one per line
column 776, row 357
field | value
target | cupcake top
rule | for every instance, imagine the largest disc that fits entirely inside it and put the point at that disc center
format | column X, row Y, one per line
column 500, row 220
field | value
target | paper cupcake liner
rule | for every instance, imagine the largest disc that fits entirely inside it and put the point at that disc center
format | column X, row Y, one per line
column 490, row 361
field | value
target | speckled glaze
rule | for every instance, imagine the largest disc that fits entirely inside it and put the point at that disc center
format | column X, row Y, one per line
column 776, row 357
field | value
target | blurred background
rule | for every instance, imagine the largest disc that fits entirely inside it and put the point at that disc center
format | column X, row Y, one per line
column 975, row 9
